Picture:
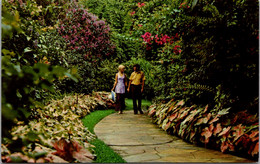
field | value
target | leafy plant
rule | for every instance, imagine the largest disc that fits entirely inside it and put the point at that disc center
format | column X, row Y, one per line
column 57, row 126
column 214, row 128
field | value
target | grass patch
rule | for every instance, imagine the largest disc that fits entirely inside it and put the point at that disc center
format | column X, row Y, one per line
column 104, row 153
column 94, row 117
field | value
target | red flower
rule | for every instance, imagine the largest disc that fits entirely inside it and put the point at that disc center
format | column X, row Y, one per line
column 177, row 35
column 132, row 13
column 177, row 49
column 147, row 37
column 140, row 4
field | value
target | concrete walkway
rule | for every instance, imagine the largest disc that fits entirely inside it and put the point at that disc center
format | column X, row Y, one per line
column 137, row 139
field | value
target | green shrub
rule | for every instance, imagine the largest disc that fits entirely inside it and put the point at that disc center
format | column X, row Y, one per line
column 148, row 70
column 27, row 76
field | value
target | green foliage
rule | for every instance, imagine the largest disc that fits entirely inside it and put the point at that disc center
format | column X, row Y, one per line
column 147, row 68
column 223, row 58
column 27, row 76
column 107, row 70
column 127, row 47
column 22, row 86
column 113, row 11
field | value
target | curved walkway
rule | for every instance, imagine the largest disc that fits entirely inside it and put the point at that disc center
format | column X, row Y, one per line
column 137, row 139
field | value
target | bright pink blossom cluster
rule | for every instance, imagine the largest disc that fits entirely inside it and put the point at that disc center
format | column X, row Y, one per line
column 164, row 39
column 140, row 4
column 85, row 34
column 149, row 39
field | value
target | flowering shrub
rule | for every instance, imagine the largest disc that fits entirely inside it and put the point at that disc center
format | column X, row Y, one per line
column 85, row 34
column 156, row 41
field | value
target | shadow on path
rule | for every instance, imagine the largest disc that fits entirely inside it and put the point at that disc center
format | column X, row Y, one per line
column 137, row 139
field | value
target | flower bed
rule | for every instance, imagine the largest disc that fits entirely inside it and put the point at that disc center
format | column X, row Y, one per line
column 55, row 133
column 218, row 129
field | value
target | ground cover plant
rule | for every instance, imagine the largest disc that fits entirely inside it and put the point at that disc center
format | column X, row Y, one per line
column 213, row 128
column 55, row 133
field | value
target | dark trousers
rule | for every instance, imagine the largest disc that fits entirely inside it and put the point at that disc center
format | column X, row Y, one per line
column 137, row 95
column 120, row 102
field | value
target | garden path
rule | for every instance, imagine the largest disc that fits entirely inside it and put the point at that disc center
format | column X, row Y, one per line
column 137, row 139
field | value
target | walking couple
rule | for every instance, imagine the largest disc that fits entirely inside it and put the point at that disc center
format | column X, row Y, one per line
column 136, row 84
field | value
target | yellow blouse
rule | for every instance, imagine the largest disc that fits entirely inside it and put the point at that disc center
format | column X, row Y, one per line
column 137, row 78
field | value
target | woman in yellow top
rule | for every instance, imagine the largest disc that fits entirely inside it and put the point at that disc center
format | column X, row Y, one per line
column 136, row 82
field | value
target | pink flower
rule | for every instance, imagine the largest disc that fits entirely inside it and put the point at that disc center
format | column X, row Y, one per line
column 140, row 25
column 140, row 4
column 132, row 13
column 147, row 37
column 164, row 38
